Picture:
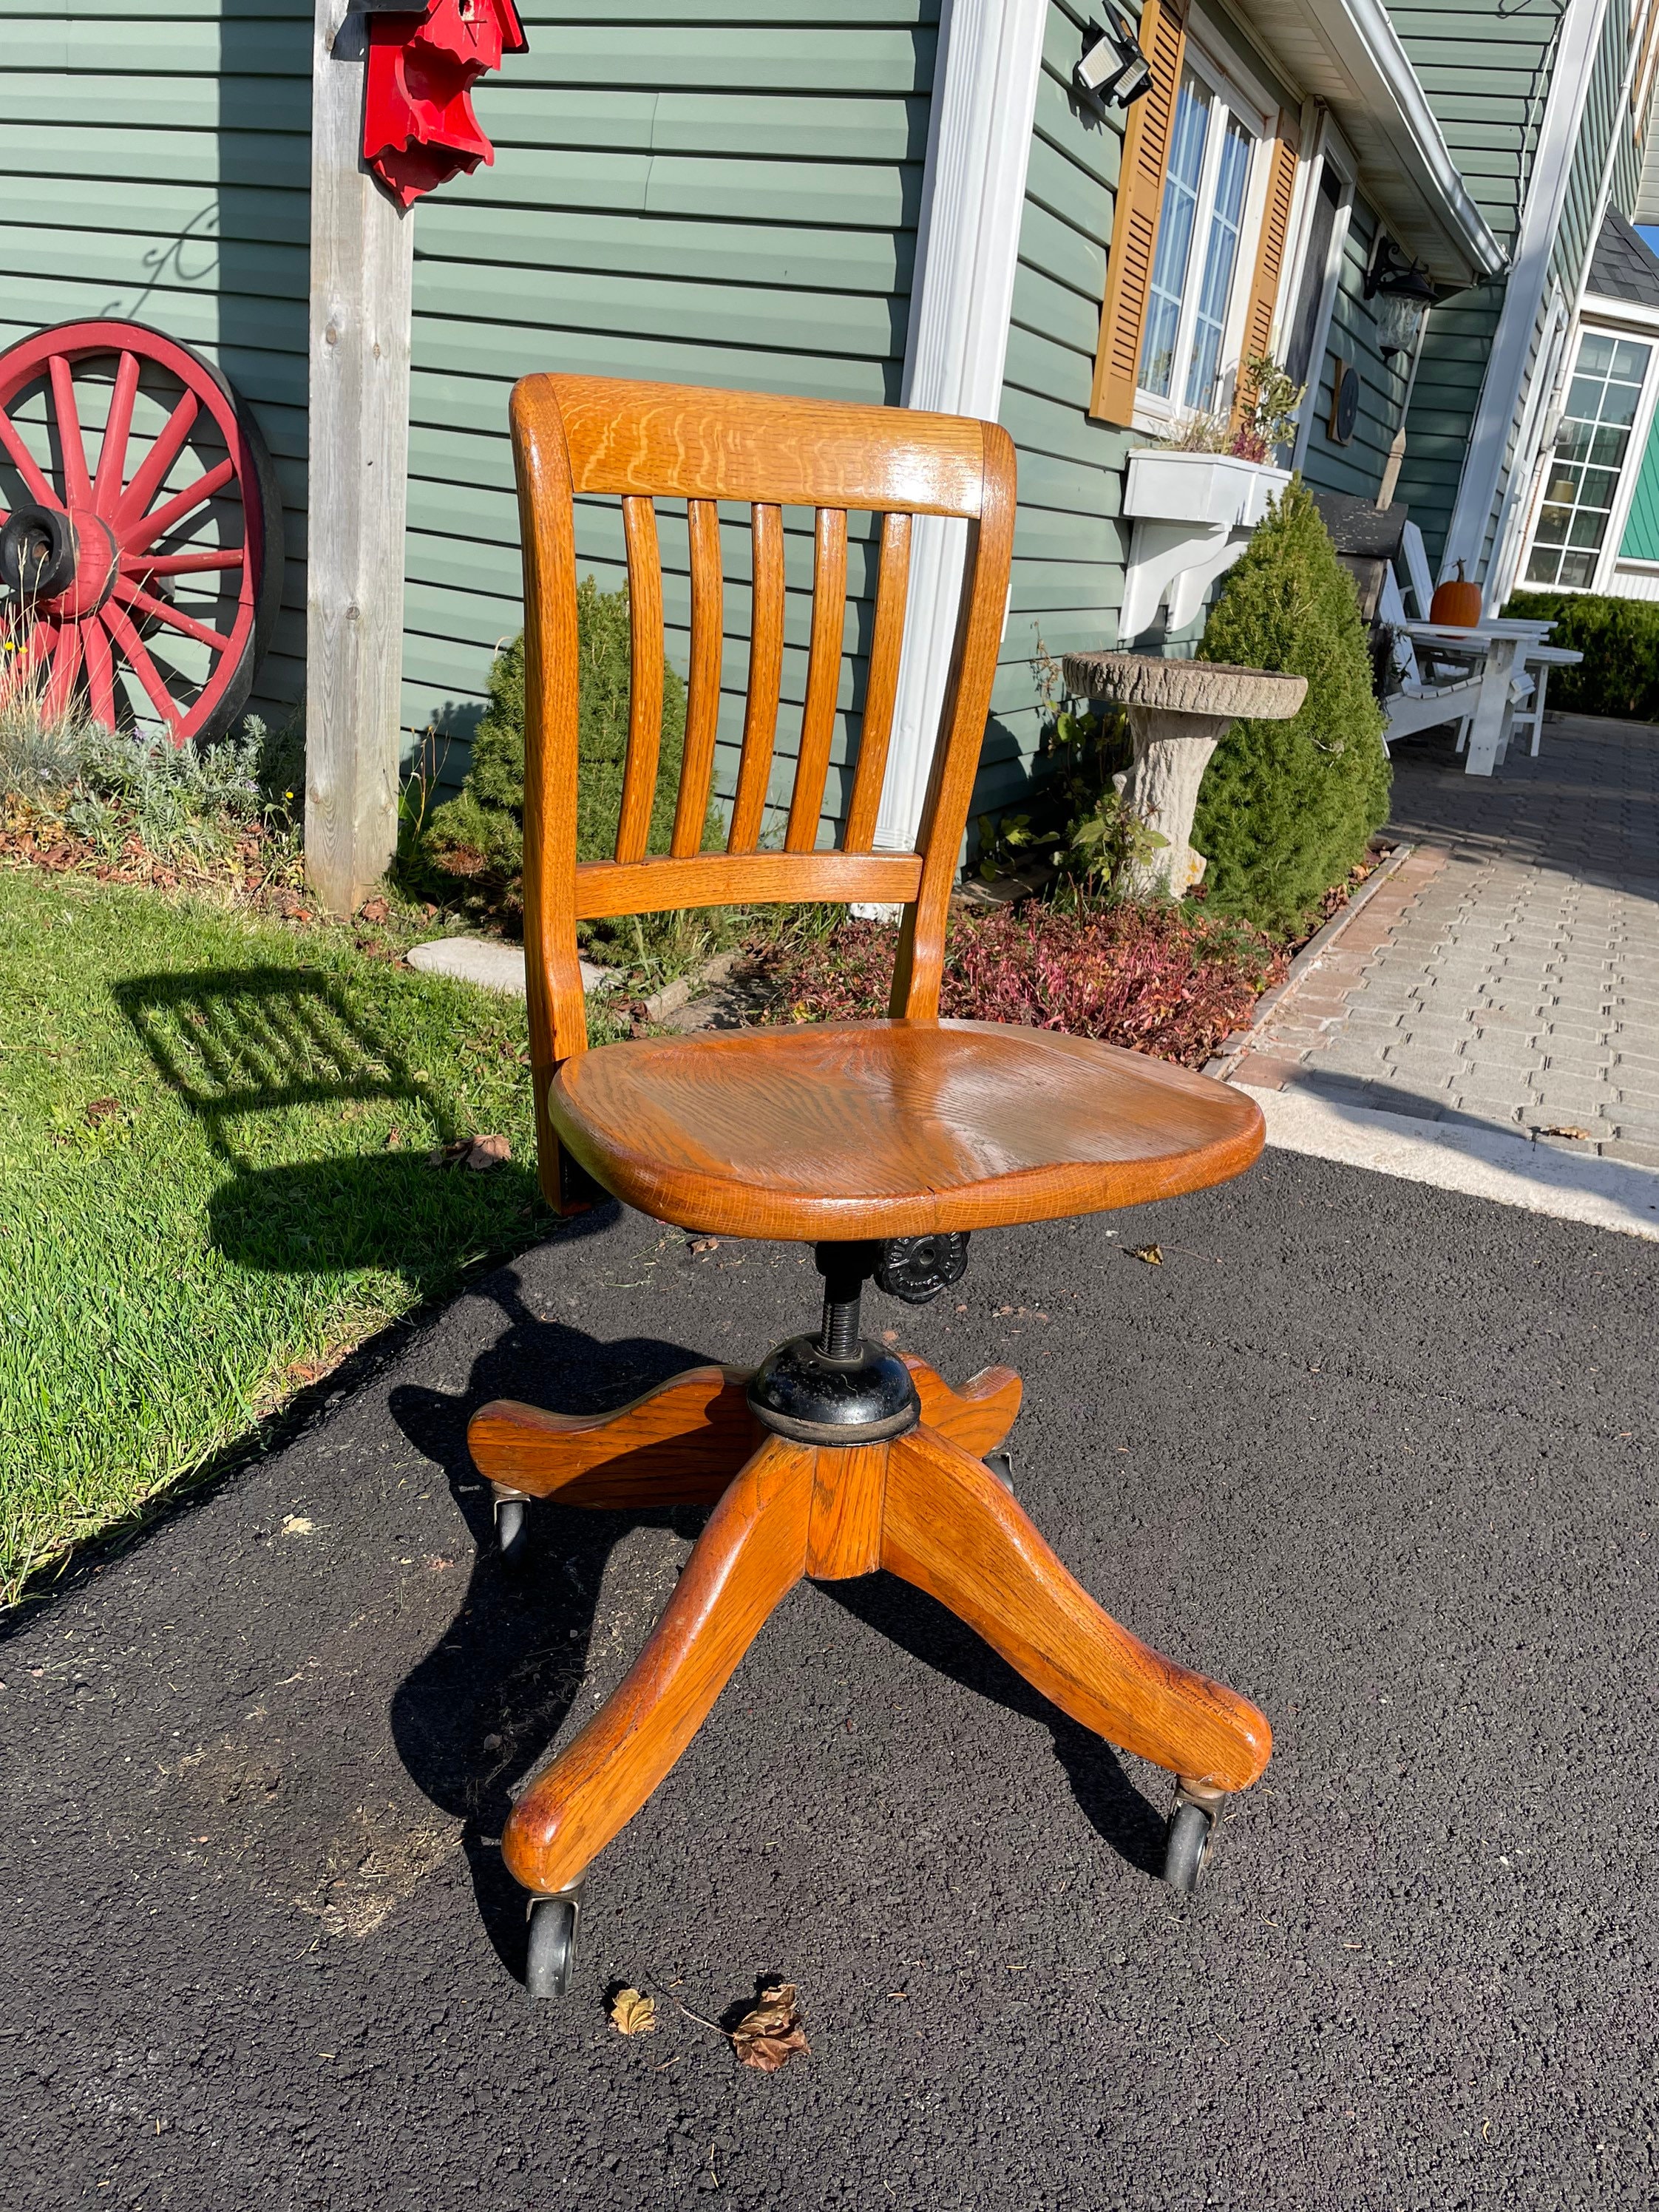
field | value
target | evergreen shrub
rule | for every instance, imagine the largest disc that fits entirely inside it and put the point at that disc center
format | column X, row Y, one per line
column 1286, row 809
column 481, row 831
column 1620, row 641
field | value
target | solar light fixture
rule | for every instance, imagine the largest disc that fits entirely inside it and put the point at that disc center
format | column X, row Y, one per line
column 1112, row 70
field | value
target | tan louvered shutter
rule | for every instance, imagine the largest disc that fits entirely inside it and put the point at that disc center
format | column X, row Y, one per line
column 1270, row 254
column 1135, row 225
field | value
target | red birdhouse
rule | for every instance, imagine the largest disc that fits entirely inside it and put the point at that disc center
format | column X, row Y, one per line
column 418, row 126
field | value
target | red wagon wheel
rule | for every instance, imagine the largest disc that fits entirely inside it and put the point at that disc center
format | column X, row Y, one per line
column 141, row 531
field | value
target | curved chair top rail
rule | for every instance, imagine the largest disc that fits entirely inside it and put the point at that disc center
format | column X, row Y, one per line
column 674, row 441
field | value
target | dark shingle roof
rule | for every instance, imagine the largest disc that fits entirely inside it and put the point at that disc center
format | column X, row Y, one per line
column 1622, row 267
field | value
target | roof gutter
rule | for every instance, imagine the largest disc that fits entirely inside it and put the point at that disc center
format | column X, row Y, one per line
column 1368, row 47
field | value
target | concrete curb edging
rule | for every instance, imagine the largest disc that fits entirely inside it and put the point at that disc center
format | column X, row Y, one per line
column 1496, row 1163
column 1271, row 1003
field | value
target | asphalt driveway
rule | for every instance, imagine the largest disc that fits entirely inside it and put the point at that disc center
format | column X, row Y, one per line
column 1380, row 1456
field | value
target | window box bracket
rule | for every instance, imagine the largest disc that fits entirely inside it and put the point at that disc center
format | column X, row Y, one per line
column 1192, row 515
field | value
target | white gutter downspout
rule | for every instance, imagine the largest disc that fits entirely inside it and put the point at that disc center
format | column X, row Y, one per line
column 979, row 142
column 1540, row 221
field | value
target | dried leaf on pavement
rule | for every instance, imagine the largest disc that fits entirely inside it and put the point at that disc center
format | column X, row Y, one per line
column 1563, row 1129
column 1151, row 1253
column 631, row 2013
column 771, row 2032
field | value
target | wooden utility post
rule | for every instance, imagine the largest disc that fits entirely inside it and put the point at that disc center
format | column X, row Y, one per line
column 362, row 270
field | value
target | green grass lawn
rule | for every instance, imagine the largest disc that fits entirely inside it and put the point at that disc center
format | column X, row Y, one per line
column 213, row 1179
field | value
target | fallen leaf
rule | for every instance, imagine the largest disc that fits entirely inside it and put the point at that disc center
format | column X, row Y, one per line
column 376, row 910
column 632, row 2013
column 487, row 1153
column 99, row 1109
column 771, row 2032
column 445, row 1156
column 1555, row 1129
column 296, row 1525
column 1151, row 1253
column 394, row 1139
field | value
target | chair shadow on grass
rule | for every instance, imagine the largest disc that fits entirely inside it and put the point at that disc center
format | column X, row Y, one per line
column 480, row 1713
column 243, row 1046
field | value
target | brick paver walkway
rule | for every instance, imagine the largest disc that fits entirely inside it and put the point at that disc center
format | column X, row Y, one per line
column 1508, row 975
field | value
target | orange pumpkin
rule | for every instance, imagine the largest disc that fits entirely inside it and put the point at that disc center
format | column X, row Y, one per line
column 1456, row 603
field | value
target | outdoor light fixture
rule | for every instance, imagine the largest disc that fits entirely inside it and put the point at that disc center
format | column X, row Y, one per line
column 1113, row 71
column 1401, row 295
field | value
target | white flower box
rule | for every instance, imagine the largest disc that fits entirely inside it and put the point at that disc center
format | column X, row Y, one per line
column 1193, row 514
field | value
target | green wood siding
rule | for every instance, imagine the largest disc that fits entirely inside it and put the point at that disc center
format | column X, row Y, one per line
column 1356, row 468
column 156, row 156
column 1484, row 66
column 1069, row 545
column 716, row 203
column 1450, row 376
column 1641, row 539
column 1446, row 395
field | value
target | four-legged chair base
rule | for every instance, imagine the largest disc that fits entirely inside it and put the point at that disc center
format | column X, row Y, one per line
column 923, row 1505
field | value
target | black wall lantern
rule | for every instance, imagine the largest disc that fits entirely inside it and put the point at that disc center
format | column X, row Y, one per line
column 1402, row 293
column 1112, row 70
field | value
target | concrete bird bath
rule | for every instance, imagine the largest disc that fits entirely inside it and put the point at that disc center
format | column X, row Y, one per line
column 1179, row 711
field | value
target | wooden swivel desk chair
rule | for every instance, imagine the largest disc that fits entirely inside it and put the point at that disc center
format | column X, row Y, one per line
column 835, row 1456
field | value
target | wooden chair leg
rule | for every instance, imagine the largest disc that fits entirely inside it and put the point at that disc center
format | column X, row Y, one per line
column 750, row 1556
column 978, row 1415
column 950, row 1527
column 677, row 1445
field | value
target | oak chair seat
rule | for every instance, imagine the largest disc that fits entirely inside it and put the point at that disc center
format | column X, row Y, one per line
column 884, row 1142
column 892, row 1128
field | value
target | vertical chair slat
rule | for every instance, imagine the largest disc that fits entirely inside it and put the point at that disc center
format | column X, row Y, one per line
column 702, row 702
column 920, row 963
column 881, row 686
column 645, row 677
column 817, row 726
column 760, row 719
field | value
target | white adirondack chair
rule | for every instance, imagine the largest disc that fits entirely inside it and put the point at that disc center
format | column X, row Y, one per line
column 1426, row 698
column 1526, row 692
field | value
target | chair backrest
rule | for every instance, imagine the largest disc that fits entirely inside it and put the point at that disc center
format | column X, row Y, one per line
column 1417, row 567
column 1392, row 608
column 579, row 436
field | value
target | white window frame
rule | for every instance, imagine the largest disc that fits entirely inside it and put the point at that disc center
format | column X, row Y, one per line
column 1330, row 150
column 1621, row 321
column 1233, row 88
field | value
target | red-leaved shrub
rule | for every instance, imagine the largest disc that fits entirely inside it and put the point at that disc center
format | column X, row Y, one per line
column 1163, row 980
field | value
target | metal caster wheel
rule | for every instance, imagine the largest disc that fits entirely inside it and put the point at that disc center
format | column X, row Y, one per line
column 513, row 1531
column 550, row 1959
column 1191, row 1844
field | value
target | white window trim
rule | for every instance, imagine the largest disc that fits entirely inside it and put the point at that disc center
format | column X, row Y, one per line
column 1626, row 321
column 1330, row 150
column 1243, row 98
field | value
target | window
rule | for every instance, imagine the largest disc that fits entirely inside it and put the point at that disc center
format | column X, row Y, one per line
column 1196, row 264
column 1581, row 482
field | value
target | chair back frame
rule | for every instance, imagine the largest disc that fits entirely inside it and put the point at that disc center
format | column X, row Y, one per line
column 585, row 435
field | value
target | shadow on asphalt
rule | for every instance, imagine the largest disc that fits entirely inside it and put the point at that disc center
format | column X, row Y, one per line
column 503, row 1678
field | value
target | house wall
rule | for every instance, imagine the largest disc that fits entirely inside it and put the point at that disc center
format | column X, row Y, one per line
column 729, row 204
column 1356, row 468
column 1476, row 65
column 157, row 157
